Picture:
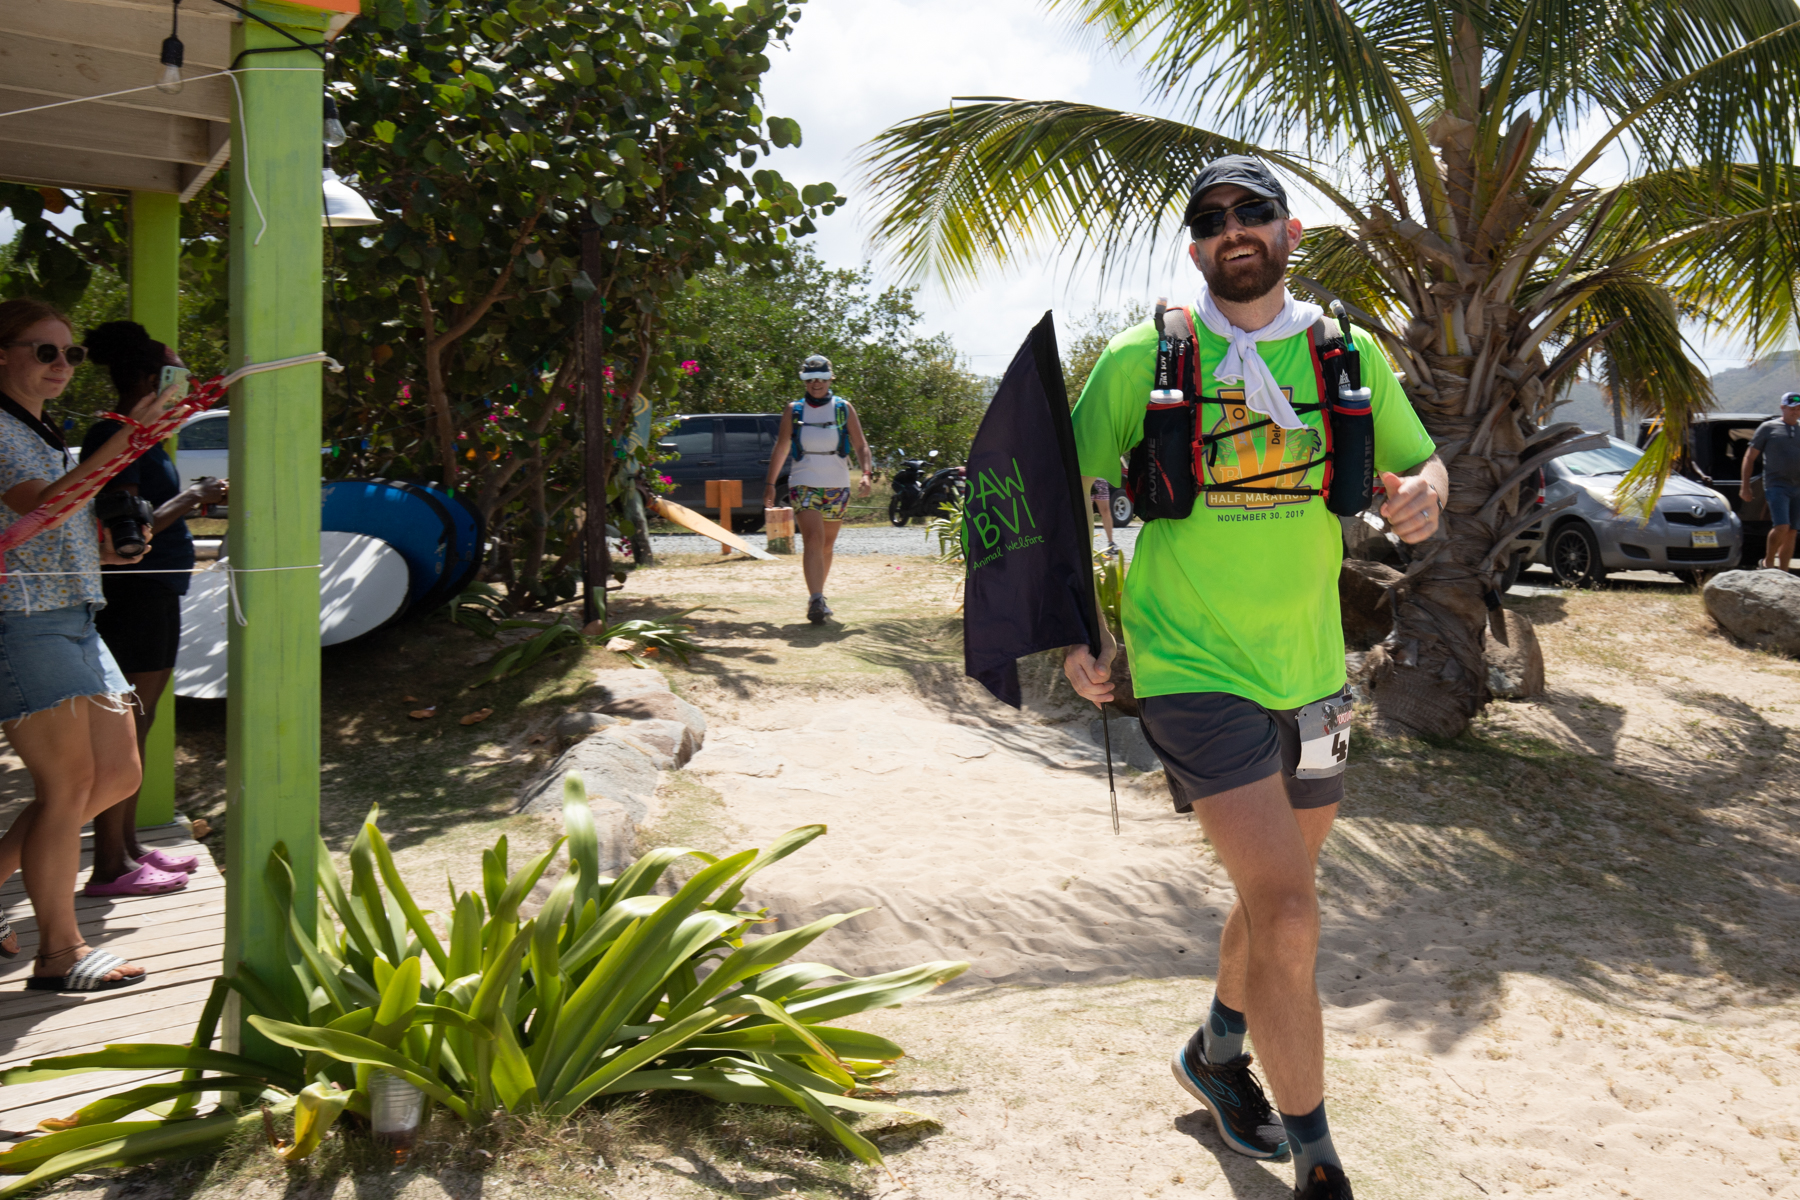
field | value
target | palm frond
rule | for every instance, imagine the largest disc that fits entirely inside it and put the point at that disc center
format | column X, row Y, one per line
column 993, row 179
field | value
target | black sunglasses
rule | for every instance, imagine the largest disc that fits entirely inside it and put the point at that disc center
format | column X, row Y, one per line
column 1250, row 214
column 47, row 351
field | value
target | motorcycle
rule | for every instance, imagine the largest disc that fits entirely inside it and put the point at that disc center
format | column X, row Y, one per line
column 918, row 496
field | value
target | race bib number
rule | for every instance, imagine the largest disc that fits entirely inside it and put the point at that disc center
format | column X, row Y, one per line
column 1324, row 737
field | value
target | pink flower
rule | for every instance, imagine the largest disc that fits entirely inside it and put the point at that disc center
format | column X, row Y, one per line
column 666, row 478
column 691, row 367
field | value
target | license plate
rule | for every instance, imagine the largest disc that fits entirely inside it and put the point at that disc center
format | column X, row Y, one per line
column 1706, row 539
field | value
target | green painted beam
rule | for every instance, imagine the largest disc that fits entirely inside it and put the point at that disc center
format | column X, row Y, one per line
column 272, row 721
column 155, row 274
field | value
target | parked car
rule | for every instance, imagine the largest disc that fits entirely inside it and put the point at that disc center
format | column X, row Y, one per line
column 724, row 446
column 1715, row 458
column 203, row 447
column 1690, row 532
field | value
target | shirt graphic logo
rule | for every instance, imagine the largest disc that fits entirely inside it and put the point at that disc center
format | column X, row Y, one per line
column 1257, row 452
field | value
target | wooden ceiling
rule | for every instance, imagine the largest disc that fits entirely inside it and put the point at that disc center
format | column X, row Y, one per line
column 53, row 50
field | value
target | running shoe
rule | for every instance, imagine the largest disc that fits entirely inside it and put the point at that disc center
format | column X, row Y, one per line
column 1235, row 1099
column 816, row 611
column 825, row 607
column 1324, row 1182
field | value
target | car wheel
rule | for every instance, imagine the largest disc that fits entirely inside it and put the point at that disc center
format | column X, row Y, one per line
column 1574, row 555
column 1121, row 508
column 895, row 517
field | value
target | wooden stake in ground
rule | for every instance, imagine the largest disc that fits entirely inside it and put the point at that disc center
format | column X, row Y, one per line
column 724, row 495
column 596, row 564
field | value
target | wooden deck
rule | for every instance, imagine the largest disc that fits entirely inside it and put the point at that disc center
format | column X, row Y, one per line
column 177, row 938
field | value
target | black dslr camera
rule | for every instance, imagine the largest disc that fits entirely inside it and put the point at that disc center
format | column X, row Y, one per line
column 128, row 519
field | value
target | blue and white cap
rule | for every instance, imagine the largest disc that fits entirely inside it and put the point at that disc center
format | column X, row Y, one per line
column 816, row 366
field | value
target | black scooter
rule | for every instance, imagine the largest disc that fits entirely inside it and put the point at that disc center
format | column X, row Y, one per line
column 917, row 496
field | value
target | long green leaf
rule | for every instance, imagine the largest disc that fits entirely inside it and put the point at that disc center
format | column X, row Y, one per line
column 546, row 960
column 123, row 1104
column 131, row 1142
column 147, row 1056
column 415, row 919
column 877, row 991
column 365, row 889
column 755, row 957
column 777, row 1039
column 565, row 1103
column 783, row 846
column 804, row 1099
column 331, row 886
column 399, row 1000
column 722, row 1080
column 316, row 1109
column 584, row 838
column 279, row 875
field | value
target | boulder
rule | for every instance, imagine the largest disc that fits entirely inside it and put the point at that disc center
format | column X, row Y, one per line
column 644, row 695
column 578, row 725
column 1515, row 666
column 1129, row 745
column 667, row 743
column 1761, row 608
column 613, row 770
column 1367, row 612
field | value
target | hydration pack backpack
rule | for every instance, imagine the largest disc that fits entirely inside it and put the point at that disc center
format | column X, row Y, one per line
column 1167, row 467
column 840, row 416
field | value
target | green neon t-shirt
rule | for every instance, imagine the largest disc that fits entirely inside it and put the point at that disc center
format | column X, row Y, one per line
column 1241, row 596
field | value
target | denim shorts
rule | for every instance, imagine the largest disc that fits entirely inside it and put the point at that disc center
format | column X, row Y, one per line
column 53, row 655
column 1784, row 503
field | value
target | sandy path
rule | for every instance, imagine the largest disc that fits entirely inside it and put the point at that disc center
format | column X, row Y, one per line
column 1516, row 1002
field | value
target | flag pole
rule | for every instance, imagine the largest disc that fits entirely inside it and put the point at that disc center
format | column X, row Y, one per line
column 1111, row 791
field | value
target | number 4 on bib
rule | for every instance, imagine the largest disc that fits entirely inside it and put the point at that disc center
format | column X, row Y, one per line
column 1324, row 737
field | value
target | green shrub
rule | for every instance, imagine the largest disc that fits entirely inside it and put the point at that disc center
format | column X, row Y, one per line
column 610, row 990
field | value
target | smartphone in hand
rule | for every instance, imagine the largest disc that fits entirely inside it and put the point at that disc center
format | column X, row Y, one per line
column 176, row 377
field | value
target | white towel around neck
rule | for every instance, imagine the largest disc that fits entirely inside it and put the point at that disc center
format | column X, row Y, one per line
column 1243, row 362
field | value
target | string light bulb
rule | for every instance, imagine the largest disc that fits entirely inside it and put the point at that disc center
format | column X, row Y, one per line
column 169, row 83
column 334, row 128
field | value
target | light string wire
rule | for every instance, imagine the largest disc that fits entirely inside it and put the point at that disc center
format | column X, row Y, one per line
column 243, row 151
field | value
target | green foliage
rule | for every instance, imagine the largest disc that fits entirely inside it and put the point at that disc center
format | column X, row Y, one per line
column 610, row 990
column 948, row 529
column 554, row 639
column 751, row 327
column 1109, row 587
column 662, row 634
column 1091, row 332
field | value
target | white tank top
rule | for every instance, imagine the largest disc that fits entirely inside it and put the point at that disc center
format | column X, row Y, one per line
column 821, row 467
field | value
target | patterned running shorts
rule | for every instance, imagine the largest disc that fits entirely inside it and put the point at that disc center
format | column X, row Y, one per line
column 829, row 503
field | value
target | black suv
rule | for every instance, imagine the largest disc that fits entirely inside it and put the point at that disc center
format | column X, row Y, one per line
column 724, row 446
column 1715, row 458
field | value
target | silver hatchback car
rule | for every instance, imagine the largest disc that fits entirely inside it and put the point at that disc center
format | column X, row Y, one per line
column 1690, row 532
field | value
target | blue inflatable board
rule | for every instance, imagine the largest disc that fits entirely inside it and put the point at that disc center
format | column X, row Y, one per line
column 439, row 536
column 466, row 549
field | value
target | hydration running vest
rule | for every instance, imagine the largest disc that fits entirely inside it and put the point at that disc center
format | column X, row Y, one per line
column 1166, row 469
column 840, row 417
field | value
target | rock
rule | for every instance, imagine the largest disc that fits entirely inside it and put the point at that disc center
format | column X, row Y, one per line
column 669, row 743
column 1515, row 667
column 733, row 760
column 1128, row 742
column 623, row 683
column 620, row 645
column 613, row 771
column 580, row 724
column 1367, row 613
column 661, row 706
column 1761, row 608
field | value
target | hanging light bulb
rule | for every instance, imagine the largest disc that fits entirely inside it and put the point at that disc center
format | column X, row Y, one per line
column 334, row 128
column 172, row 52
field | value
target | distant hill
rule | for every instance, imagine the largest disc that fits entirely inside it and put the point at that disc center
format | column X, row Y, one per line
column 1758, row 388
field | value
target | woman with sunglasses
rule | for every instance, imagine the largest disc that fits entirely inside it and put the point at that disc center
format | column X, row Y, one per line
column 62, row 698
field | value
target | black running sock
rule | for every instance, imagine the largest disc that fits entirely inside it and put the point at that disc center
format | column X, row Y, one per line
column 1225, row 1029
column 1309, row 1140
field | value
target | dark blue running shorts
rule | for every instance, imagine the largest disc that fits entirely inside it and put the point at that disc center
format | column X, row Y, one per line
column 1211, row 742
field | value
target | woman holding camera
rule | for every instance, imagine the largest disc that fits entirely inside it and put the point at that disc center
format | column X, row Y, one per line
column 62, row 698
column 141, row 623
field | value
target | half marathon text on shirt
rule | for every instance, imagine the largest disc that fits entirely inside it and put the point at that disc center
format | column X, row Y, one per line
column 998, row 518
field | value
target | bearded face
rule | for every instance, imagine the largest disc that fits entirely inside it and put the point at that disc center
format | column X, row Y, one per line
column 1242, row 265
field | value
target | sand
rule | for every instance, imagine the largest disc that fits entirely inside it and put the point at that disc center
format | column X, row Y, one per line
column 1558, row 957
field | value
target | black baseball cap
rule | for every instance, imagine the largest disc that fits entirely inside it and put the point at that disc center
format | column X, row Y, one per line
column 1246, row 172
column 1791, row 400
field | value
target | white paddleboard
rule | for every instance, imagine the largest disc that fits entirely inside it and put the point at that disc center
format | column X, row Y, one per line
column 362, row 587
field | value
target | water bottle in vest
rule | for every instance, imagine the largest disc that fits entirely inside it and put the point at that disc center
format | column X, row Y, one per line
column 1352, row 431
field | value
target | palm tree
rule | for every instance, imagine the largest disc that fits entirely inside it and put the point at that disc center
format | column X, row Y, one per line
column 1466, row 145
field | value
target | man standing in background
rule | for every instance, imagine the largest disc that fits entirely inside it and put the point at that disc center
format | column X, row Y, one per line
column 1778, row 441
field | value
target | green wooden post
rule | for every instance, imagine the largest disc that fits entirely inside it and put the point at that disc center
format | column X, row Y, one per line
column 156, row 305
column 272, row 722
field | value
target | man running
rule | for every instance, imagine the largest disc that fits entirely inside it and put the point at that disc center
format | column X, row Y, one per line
column 1231, row 617
column 820, row 431
column 1778, row 441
